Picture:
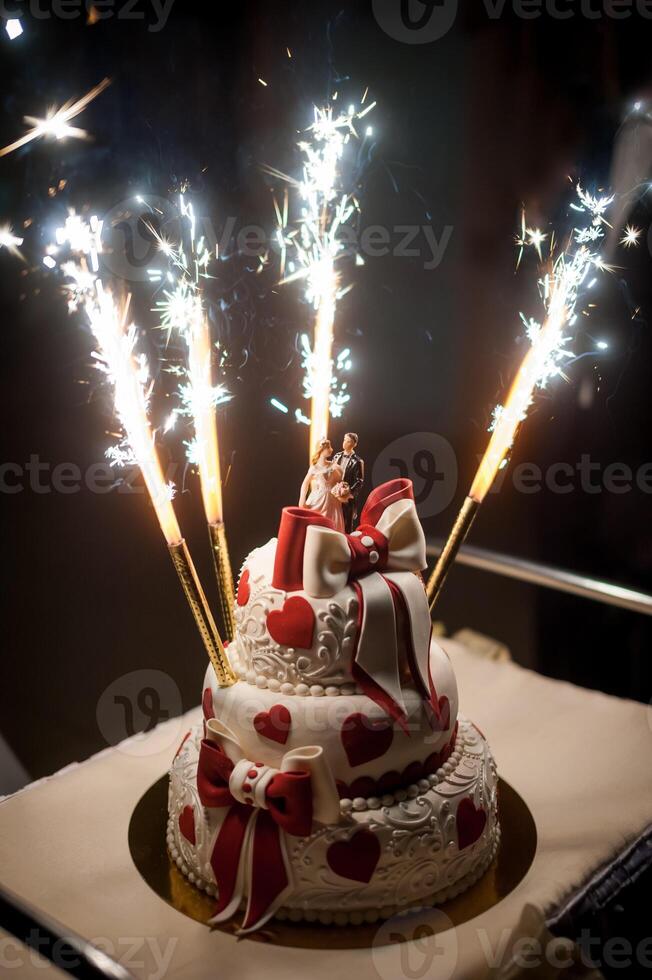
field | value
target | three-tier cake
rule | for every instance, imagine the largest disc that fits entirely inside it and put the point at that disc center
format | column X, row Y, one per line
column 335, row 781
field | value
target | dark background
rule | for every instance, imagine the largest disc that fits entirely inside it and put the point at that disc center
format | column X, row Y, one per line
column 498, row 113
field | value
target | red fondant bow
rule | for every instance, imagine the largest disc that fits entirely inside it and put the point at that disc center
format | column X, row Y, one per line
column 249, row 853
column 288, row 796
column 393, row 540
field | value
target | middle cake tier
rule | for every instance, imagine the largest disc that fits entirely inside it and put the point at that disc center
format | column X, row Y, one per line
column 368, row 752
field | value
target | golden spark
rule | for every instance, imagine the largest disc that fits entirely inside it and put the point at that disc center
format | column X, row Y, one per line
column 56, row 121
column 631, row 236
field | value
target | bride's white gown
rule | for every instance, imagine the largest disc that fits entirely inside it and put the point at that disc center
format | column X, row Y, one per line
column 320, row 497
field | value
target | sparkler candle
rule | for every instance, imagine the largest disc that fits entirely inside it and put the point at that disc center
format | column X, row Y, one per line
column 116, row 343
column 543, row 361
column 322, row 368
column 183, row 311
column 115, row 357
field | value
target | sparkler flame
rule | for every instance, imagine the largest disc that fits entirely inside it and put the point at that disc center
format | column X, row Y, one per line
column 129, row 375
column 9, row 241
column 548, row 341
column 316, row 245
column 182, row 310
column 116, row 357
column 548, row 351
column 56, row 121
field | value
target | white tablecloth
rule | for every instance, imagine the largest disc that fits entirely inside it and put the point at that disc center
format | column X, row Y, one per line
column 580, row 760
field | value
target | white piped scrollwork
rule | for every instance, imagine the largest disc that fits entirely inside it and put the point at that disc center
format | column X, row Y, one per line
column 419, row 854
column 327, row 663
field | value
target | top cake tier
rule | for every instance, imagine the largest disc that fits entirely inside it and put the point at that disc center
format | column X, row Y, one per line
column 319, row 612
column 289, row 640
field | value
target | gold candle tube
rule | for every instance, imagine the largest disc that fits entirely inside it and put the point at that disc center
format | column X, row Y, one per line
column 456, row 538
column 201, row 611
column 224, row 575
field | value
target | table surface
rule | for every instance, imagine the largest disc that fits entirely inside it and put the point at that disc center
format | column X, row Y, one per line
column 578, row 758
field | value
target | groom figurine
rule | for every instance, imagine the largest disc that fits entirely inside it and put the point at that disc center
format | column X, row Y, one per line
column 352, row 473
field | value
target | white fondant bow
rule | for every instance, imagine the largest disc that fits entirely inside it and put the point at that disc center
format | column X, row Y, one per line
column 396, row 543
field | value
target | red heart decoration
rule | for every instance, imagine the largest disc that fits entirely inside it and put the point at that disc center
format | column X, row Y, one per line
column 294, row 624
column 244, row 589
column 274, row 724
column 187, row 824
column 471, row 822
column 364, row 739
column 355, row 859
column 441, row 715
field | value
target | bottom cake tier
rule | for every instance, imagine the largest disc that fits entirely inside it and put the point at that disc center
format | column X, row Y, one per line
column 420, row 845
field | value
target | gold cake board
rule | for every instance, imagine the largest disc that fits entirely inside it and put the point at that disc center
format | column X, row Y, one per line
column 147, row 844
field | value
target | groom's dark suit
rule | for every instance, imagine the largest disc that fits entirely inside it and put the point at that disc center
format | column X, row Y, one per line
column 353, row 474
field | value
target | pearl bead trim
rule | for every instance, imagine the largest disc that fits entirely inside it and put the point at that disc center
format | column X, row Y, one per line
column 300, row 690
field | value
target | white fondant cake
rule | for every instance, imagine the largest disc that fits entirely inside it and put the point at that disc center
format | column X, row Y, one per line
column 334, row 780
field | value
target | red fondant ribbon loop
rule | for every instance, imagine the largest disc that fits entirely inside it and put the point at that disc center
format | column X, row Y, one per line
column 288, row 562
column 213, row 773
column 383, row 496
column 289, row 799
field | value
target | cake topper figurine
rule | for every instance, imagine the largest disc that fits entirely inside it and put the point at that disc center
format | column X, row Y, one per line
column 352, row 467
column 322, row 489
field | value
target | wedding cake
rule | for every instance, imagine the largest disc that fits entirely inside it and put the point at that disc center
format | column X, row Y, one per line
column 335, row 780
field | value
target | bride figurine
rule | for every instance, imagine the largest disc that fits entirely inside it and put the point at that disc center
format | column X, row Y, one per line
column 317, row 488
